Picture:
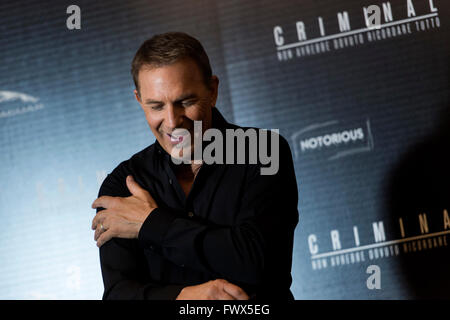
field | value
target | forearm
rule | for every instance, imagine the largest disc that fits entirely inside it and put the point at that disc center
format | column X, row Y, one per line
column 236, row 253
column 125, row 274
column 133, row 290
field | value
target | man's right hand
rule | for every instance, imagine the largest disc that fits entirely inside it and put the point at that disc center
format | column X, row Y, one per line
column 219, row 289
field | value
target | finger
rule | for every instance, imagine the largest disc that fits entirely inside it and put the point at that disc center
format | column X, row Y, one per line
column 98, row 232
column 99, row 218
column 235, row 291
column 103, row 201
column 101, row 228
column 223, row 295
column 104, row 237
column 135, row 189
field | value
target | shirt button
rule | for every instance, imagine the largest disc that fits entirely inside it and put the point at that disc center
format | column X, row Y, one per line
column 170, row 181
column 151, row 247
column 182, row 266
column 190, row 214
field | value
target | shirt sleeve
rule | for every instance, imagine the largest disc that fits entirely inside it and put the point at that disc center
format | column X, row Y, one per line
column 123, row 264
column 239, row 253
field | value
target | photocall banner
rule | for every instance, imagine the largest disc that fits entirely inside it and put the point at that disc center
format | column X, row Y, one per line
column 360, row 89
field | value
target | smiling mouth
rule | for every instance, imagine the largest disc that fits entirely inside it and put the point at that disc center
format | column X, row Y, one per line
column 174, row 139
column 178, row 136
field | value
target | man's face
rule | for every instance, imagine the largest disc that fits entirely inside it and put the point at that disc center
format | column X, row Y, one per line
column 173, row 97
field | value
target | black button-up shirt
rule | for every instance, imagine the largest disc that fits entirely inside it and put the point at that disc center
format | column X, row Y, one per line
column 235, row 224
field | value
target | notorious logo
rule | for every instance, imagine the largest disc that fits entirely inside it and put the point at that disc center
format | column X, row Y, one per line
column 315, row 38
column 334, row 139
column 409, row 242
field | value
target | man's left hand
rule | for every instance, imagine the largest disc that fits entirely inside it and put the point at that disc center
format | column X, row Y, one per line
column 123, row 216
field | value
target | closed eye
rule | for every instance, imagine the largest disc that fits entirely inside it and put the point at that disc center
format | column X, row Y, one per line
column 157, row 107
column 188, row 103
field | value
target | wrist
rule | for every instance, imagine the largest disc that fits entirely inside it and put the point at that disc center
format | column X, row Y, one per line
column 180, row 295
column 137, row 228
column 145, row 215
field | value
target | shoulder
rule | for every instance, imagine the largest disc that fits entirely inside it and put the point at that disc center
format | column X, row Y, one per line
column 114, row 184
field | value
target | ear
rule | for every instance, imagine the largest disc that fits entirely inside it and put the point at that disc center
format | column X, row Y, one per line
column 214, row 89
column 136, row 95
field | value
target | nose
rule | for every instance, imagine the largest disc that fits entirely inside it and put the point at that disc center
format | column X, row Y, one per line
column 174, row 117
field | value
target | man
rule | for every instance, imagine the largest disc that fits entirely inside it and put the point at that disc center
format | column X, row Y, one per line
column 197, row 230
